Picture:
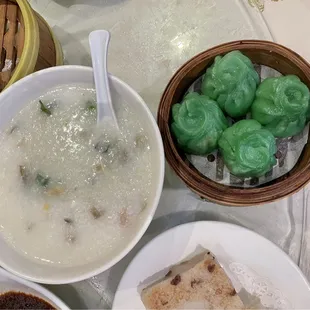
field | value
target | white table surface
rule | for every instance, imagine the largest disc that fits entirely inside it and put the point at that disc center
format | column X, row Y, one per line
column 150, row 40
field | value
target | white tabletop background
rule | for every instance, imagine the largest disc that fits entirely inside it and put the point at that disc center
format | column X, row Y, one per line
column 150, row 40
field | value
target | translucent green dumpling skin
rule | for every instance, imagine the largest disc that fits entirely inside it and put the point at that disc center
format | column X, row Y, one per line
column 197, row 124
column 281, row 105
column 308, row 113
column 248, row 149
column 232, row 82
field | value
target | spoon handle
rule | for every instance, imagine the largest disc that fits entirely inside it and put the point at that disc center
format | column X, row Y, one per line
column 99, row 41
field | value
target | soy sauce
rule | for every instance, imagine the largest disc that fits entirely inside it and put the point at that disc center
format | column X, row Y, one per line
column 19, row 300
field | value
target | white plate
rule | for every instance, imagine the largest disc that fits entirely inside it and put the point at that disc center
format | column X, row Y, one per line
column 260, row 266
column 10, row 282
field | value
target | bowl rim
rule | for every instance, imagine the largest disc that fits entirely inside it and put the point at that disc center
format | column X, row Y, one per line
column 136, row 238
column 202, row 186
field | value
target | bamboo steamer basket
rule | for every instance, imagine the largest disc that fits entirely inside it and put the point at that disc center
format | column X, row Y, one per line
column 27, row 42
column 265, row 53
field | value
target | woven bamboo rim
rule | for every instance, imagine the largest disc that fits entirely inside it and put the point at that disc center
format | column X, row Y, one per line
column 58, row 48
column 265, row 53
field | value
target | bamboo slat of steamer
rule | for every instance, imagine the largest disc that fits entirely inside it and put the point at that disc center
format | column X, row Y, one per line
column 3, row 25
column 9, row 42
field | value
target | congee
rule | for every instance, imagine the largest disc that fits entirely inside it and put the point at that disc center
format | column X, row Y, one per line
column 71, row 191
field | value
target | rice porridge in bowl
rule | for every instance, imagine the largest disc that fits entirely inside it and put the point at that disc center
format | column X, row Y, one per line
column 74, row 192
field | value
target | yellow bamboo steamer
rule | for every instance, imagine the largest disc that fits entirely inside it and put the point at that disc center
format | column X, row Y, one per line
column 28, row 44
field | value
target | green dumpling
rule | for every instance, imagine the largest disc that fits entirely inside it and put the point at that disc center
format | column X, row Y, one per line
column 197, row 124
column 281, row 105
column 308, row 113
column 248, row 149
column 232, row 82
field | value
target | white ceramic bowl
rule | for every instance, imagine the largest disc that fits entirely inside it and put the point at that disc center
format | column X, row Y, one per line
column 31, row 87
column 9, row 282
